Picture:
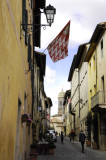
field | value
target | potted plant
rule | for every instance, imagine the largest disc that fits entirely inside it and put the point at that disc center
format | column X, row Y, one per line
column 33, row 147
column 51, row 147
column 25, row 117
column 29, row 122
column 88, row 124
column 95, row 131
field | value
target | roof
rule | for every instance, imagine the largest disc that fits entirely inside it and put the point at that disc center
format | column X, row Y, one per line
column 97, row 34
column 57, row 115
column 80, row 52
column 62, row 125
column 55, row 120
column 50, row 101
column 67, row 94
column 72, row 68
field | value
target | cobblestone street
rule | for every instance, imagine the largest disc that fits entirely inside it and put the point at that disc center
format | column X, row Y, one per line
column 68, row 151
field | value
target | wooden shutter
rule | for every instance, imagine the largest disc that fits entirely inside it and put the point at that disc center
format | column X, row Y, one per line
column 26, row 22
column 23, row 12
column 37, row 28
column 29, row 49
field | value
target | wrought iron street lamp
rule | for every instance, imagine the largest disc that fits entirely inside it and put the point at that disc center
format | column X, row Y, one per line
column 49, row 11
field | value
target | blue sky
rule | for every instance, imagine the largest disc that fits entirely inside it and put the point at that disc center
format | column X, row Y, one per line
column 84, row 16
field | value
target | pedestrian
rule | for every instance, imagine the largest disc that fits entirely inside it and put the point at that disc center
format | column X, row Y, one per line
column 72, row 135
column 62, row 137
column 82, row 138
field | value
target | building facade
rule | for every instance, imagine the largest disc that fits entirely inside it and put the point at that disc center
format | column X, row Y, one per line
column 96, row 59
column 15, row 84
column 22, row 71
column 67, row 106
column 83, row 85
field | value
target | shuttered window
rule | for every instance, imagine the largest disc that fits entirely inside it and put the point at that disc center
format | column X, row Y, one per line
column 29, row 49
column 37, row 28
column 31, row 4
column 29, row 52
column 26, row 22
column 23, row 12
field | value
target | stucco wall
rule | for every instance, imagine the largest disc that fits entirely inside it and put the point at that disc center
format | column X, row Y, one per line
column 14, row 83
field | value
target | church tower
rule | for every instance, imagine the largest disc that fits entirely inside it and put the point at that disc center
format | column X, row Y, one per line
column 60, row 102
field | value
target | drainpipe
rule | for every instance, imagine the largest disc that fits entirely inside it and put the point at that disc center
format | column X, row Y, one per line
column 79, row 90
column 96, row 67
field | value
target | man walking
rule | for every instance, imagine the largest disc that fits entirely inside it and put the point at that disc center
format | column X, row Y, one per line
column 82, row 139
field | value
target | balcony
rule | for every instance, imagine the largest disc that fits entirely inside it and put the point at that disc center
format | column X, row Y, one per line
column 98, row 102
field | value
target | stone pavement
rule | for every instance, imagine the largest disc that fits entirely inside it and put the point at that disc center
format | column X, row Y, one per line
column 69, row 151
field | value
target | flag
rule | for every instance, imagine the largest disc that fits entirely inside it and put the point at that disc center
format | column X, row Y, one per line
column 58, row 48
column 48, row 117
column 69, row 100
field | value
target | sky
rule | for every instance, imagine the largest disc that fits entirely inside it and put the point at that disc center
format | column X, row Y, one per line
column 84, row 15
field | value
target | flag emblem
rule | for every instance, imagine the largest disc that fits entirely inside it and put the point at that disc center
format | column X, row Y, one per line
column 58, row 48
column 48, row 117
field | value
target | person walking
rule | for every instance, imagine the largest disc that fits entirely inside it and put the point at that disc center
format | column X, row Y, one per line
column 82, row 138
column 62, row 137
column 72, row 136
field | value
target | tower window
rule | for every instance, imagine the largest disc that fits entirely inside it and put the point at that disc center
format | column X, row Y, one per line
column 101, row 48
column 60, row 103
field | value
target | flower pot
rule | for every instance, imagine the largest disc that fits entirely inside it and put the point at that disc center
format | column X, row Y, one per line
column 51, row 151
column 88, row 143
column 95, row 145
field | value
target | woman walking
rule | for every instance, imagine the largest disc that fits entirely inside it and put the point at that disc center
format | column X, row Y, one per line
column 62, row 137
column 72, row 135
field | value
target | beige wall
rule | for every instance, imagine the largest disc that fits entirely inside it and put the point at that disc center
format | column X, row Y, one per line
column 101, row 70
column 75, row 100
column 83, row 95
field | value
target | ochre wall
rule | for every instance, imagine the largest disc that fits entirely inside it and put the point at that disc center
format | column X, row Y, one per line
column 14, row 83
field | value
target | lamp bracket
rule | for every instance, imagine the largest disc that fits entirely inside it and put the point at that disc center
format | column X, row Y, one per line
column 27, row 71
column 30, row 28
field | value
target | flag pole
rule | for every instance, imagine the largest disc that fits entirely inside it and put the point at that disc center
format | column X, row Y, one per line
column 44, row 50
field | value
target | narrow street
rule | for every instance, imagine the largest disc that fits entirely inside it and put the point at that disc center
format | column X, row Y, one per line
column 68, row 151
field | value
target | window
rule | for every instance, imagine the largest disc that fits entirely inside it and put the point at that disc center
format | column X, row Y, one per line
column 23, row 12
column 60, row 103
column 90, row 68
column 101, row 48
column 26, row 22
column 94, row 62
column 29, row 52
column 95, row 89
column 91, row 93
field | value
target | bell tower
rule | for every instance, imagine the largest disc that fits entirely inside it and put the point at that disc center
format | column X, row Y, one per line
column 60, row 102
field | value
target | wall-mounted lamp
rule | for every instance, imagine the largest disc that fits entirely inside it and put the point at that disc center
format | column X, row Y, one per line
column 49, row 11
